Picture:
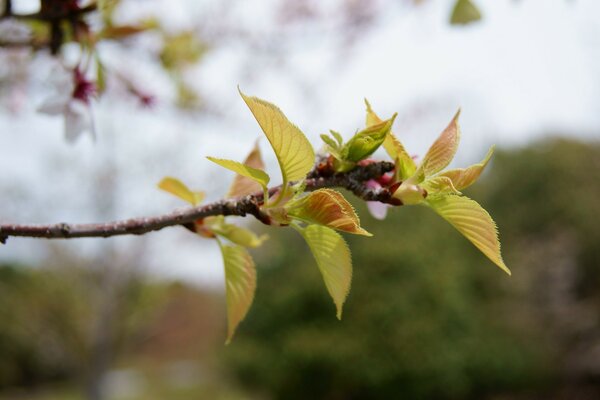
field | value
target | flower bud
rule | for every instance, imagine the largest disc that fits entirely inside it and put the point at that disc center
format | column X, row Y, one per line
column 410, row 194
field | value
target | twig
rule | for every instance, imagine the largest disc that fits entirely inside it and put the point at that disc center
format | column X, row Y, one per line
column 248, row 205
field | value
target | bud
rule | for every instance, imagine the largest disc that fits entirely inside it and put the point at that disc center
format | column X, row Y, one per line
column 410, row 194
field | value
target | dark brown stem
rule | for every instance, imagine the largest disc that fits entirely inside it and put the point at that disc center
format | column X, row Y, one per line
column 248, row 205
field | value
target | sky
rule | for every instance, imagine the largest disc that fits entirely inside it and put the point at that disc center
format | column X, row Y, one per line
column 529, row 69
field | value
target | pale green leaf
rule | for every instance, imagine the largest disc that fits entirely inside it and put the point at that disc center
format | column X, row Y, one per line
column 242, row 185
column 331, row 143
column 438, row 186
column 257, row 175
column 100, row 74
column 240, row 285
column 404, row 163
column 233, row 233
column 405, row 166
column 465, row 177
column 442, row 150
column 326, row 207
column 337, row 137
column 294, row 152
column 470, row 219
column 179, row 189
column 464, row 12
column 409, row 193
column 365, row 142
column 333, row 258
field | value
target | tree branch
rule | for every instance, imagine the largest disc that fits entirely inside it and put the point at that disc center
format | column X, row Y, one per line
column 249, row 205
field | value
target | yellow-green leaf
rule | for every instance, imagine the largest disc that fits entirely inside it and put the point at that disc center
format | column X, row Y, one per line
column 179, row 189
column 465, row 177
column 243, row 185
column 442, row 150
column 404, row 162
column 326, row 207
column 410, row 194
column 439, row 185
column 329, row 141
column 464, row 12
column 259, row 176
column 337, row 137
column 294, row 152
column 233, row 233
column 470, row 219
column 240, row 285
column 365, row 142
column 333, row 258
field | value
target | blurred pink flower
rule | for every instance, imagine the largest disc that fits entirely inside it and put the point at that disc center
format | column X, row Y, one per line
column 377, row 209
column 74, row 105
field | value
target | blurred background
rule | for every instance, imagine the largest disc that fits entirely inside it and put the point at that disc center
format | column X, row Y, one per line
column 427, row 317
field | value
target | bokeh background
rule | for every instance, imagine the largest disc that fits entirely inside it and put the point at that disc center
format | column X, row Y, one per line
column 427, row 317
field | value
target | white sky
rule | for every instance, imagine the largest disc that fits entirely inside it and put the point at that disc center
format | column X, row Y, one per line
column 530, row 68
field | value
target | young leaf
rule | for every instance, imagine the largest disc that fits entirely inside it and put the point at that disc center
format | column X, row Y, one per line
column 470, row 219
column 442, row 150
column 337, row 137
column 464, row 12
column 404, row 162
column 405, row 166
column 409, row 193
column 234, row 233
column 365, row 142
column 257, row 175
column 465, row 177
column 333, row 258
column 329, row 141
column 329, row 208
column 438, row 186
column 100, row 75
column 240, row 285
column 294, row 152
column 179, row 189
column 242, row 185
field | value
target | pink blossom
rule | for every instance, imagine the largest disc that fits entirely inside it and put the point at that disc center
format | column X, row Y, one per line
column 377, row 209
column 74, row 106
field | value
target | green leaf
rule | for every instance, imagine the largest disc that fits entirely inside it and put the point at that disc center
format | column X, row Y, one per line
column 405, row 165
column 329, row 141
column 439, row 186
column 332, row 147
column 242, row 185
column 365, row 142
column 470, row 219
column 179, row 189
column 326, row 207
column 337, row 137
column 182, row 49
column 293, row 151
column 442, row 150
column 233, row 233
column 240, row 285
column 465, row 177
column 409, row 193
column 257, row 175
column 333, row 258
column 100, row 74
column 464, row 12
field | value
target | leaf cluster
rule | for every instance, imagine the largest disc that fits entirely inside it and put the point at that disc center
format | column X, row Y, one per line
column 319, row 215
